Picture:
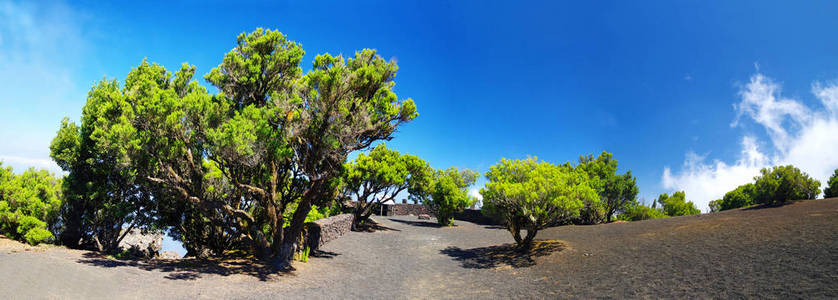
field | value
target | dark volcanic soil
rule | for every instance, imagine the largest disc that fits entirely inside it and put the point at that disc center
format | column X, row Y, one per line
column 781, row 252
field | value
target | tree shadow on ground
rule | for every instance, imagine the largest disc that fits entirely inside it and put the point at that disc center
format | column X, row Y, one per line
column 372, row 226
column 494, row 227
column 192, row 268
column 773, row 205
column 323, row 254
column 502, row 255
column 417, row 223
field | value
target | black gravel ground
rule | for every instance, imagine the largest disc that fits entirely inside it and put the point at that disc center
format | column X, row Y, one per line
column 783, row 252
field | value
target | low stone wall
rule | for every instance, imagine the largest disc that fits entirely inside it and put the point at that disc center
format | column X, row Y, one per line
column 405, row 209
column 320, row 232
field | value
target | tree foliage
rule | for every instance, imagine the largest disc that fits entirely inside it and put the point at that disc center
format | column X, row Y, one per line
column 101, row 190
column 380, row 176
column 784, row 183
column 529, row 195
column 227, row 170
column 676, row 205
column 773, row 186
column 636, row 211
column 616, row 192
column 831, row 189
column 742, row 196
column 448, row 193
column 29, row 204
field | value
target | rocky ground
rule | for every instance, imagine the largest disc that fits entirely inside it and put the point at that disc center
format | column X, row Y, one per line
column 782, row 252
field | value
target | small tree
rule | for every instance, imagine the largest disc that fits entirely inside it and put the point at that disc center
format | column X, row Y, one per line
column 616, row 192
column 784, row 183
column 831, row 189
column 742, row 196
column 715, row 205
column 528, row 195
column 676, row 205
column 29, row 204
column 448, row 193
column 636, row 211
column 380, row 176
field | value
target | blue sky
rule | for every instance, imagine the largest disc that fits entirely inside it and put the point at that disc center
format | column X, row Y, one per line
column 693, row 95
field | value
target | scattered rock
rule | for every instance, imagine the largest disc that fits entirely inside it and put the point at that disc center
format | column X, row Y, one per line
column 169, row 255
column 142, row 244
column 424, row 217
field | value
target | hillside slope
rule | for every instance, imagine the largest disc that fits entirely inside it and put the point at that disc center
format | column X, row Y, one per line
column 788, row 251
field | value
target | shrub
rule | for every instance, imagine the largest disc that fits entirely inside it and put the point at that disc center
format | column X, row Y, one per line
column 616, row 192
column 676, row 205
column 715, row 205
column 29, row 205
column 449, row 194
column 38, row 235
column 742, row 196
column 784, row 183
column 637, row 212
column 774, row 186
column 831, row 189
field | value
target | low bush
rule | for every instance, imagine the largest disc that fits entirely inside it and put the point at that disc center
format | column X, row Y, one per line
column 677, row 205
column 784, row 183
column 774, row 186
column 637, row 212
column 29, row 205
column 831, row 189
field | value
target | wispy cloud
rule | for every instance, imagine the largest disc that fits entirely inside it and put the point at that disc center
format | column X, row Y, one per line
column 799, row 135
column 41, row 51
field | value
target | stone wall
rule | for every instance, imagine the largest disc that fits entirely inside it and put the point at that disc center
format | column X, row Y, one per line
column 320, row 232
column 405, row 209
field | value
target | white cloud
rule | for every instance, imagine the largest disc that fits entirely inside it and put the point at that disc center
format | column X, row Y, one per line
column 20, row 164
column 475, row 192
column 801, row 136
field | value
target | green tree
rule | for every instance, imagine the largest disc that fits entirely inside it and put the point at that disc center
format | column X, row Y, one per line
column 784, row 183
column 448, row 193
column 742, row 196
column 29, row 204
column 636, row 211
column 831, row 189
column 102, row 194
column 345, row 106
column 715, row 205
column 380, row 176
column 676, row 205
column 224, row 170
column 616, row 192
column 529, row 195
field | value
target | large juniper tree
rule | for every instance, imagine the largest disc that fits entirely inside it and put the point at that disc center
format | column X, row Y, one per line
column 223, row 169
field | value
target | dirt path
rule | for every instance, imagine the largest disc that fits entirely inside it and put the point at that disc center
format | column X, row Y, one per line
column 785, row 252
